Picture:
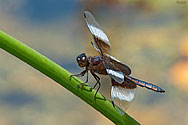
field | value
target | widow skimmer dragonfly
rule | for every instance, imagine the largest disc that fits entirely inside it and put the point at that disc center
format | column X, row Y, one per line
column 123, row 85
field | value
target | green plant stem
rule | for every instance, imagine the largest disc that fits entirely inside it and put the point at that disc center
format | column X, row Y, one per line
column 62, row 76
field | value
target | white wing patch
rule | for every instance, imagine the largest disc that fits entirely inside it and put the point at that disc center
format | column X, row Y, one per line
column 122, row 93
column 95, row 28
column 116, row 75
column 98, row 33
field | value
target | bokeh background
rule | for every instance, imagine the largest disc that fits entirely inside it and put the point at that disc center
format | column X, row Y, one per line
column 149, row 36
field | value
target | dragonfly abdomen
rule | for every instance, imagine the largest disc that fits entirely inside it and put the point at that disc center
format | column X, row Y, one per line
column 145, row 84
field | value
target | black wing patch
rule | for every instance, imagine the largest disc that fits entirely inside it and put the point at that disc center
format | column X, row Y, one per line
column 124, row 68
column 114, row 72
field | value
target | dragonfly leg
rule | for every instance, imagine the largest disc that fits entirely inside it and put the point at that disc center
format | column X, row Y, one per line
column 80, row 75
column 113, row 103
column 98, row 79
column 98, row 82
column 97, row 89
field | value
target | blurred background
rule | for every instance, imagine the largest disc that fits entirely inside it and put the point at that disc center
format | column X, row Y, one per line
column 151, row 37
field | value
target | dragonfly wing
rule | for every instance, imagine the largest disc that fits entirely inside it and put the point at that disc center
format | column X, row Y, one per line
column 124, row 68
column 113, row 71
column 101, row 40
column 116, row 75
column 123, row 94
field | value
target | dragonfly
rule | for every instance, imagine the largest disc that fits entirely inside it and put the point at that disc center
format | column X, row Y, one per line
column 123, row 85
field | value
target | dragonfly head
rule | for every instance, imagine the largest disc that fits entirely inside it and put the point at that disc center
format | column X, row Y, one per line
column 82, row 60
